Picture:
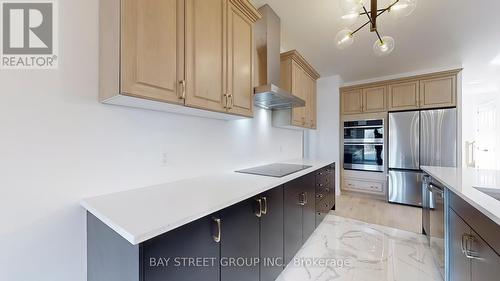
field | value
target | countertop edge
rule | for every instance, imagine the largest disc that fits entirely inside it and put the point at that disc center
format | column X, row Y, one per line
column 135, row 239
column 467, row 199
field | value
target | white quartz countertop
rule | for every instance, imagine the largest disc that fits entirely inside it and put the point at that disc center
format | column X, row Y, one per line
column 463, row 182
column 143, row 213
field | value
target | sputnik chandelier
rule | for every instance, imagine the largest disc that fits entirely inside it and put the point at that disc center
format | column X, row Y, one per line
column 353, row 9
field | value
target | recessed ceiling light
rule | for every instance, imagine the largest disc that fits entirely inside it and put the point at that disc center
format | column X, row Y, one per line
column 496, row 60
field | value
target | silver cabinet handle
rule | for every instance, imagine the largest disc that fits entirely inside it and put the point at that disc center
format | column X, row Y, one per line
column 230, row 101
column 302, row 199
column 464, row 244
column 217, row 236
column 436, row 189
column 183, row 89
column 264, row 200
column 305, row 198
column 259, row 212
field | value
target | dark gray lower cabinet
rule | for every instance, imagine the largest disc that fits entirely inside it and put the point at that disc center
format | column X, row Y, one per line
column 271, row 235
column 473, row 243
column 309, row 208
column 249, row 241
column 486, row 266
column 240, row 242
column 184, row 254
column 459, row 264
column 293, row 219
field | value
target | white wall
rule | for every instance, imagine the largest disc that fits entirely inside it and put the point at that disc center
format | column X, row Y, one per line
column 59, row 145
column 324, row 142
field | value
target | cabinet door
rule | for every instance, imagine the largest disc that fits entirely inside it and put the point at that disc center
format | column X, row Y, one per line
column 313, row 105
column 271, row 235
column 240, row 239
column 438, row 92
column 152, row 57
column 487, row 266
column 460, row 268
column 206, row 67
column 299, row 90
column 309, row 209
column 374, row 99
column 310, row 86
column 194, row 240
column 403, row 96
column 240, row 87
column 293, row 219
column 352, row 102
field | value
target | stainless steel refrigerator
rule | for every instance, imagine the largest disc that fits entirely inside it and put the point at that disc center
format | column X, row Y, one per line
column 418, row 138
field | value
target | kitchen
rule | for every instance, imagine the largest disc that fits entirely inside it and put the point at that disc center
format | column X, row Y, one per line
column 130, row 147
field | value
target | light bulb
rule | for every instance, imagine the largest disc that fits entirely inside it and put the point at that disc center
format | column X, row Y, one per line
column 403, row 8
column 349, row 18
column 384, row 47
column 351, row 5
column 344, row 39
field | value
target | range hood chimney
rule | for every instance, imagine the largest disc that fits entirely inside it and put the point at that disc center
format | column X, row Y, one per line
column 267, row 39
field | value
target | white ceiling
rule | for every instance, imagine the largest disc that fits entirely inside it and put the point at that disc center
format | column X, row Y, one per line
column 439, row 34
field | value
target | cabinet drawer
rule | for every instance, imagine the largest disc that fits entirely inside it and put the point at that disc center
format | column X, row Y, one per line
column 364, row 185
column 324, row 178
column 325, row 204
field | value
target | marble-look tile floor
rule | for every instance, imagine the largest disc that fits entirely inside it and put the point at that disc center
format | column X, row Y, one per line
column 347, row 249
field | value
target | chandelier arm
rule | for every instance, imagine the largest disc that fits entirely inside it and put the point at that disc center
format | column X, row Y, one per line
column 381, row 11
column 365, row 24
column 371, row 20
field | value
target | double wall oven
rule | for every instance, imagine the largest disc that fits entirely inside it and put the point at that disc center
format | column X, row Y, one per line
column 364, row 145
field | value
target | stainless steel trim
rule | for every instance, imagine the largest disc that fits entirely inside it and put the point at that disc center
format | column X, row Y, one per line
column 436, row 189
column 362, row 143
column 362, row 127
column 271, row 96
column 217, row 237
column 363, row 167
column 367, row 141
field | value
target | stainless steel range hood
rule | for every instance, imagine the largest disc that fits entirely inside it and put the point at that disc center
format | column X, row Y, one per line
column 267, row 39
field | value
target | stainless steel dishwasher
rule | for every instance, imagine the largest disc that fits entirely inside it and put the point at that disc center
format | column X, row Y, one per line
column 433, row 219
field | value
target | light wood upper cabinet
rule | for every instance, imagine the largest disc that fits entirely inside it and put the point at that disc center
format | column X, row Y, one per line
column 352, row 101
column 438, row 92
column 404, row 95
column 240, row 55
column 152, row 58
column 196, row 53
column 375, row 99
column 206, row 54
column 435, row 90
column 299, row 77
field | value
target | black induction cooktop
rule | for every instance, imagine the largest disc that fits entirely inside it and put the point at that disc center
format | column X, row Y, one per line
column 277, row 170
